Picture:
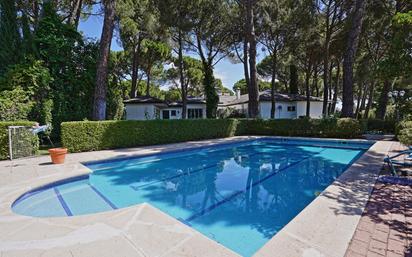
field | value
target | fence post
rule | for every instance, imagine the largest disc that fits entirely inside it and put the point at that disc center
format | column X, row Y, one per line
column 10, row 144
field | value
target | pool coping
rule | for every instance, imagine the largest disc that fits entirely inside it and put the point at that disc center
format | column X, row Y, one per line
column 288, row 242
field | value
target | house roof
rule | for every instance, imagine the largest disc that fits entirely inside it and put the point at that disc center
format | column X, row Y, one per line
column 144, row 100
column 163, row 103
column 265, row 96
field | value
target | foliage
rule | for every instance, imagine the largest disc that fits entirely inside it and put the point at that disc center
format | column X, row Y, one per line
column 25, row 93
column 377, row 125
column 335, row 128
column 4, row 137
column 91, row 136
column 15, row 104
column 192, row 73
column 405, row 133
column 242, row 86
column 9, row 39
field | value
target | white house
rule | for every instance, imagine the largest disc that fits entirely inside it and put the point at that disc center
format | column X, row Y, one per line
column 150, row 108
column 288, row 106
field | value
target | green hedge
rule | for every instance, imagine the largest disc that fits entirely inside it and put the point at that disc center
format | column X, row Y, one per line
column 404, row 132
column 4, row 136
column 91, row 135
column 335, row 128
column 377, row 125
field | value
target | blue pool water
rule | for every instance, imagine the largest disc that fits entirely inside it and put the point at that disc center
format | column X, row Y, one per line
column 239, row 195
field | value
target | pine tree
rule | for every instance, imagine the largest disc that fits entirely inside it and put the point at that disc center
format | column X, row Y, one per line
column 9, row 35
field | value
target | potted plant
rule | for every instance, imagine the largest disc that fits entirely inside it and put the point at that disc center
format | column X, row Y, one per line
column 58, row 155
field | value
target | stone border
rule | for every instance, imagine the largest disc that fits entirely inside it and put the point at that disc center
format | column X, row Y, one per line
column 337, row 209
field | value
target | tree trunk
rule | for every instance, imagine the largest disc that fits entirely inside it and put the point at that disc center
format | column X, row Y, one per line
column 383, row 100
column 358, row 99
column 325, row 71
column 135, row 68
column 246, row 61
column 293, row 84
column 349, row 57
column 212, row 99
column 75, row 12
column 315, row 81
column 336, row 89
column 370, row 100
column 363, row 102
column 307, row 85
column 273, row 85
column 253, row 105
column 99, row 107
column 182, row 77
column 148, row 83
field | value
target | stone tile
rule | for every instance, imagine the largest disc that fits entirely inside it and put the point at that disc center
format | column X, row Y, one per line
column 373, row 254
column 197, row 246
column 362, row 236
column 377, row 247
column 359, row 247
column 380, row 236
column 396, row 247
column 351, row 253
column 117, row 246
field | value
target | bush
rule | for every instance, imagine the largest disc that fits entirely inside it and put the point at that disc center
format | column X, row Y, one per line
column 4, row 137
column 339, row 128
column 404, row 132
column 377, row 125
column 97, row 135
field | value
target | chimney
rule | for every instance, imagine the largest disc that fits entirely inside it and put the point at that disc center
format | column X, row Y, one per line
column 237, row 92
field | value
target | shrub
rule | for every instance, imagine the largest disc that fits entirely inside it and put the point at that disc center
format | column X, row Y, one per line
column 340, row 128
column 403, row 125
column 4, row 137
column 91, row 135
column 404, row 132
column 378, row 125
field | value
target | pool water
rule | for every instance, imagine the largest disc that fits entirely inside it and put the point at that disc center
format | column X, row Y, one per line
column 239, row 195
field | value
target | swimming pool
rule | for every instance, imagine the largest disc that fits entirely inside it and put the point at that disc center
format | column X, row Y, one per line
column 239, row 195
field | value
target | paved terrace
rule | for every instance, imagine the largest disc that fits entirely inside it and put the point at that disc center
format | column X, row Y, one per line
column 324, row 228
column 385, row 228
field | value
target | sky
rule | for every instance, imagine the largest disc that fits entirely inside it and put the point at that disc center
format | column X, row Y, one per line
column 228, row 72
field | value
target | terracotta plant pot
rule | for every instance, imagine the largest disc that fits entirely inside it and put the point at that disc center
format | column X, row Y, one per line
column 58, row 155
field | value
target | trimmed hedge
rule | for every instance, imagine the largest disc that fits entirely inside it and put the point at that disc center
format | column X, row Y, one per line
column 377, row 125
column 4, row 136
column 335, row 128
column 404, row 132
column 97, row 135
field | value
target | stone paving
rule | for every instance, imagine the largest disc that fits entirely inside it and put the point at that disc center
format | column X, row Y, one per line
column 385, row 228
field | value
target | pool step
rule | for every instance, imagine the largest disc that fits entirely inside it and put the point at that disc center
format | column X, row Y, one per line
column 82, row 198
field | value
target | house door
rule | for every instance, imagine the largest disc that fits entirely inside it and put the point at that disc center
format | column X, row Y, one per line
column 165, row 114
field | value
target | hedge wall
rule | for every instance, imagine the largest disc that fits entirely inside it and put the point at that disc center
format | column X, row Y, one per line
column 91, row 135
column 4, row 136
column 334, row 128
column 404, row 132
column 377, row 125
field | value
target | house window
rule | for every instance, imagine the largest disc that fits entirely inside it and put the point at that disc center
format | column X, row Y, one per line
column 195, row 113
column 173, row 113
column 291, row 108
column 165, row 114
